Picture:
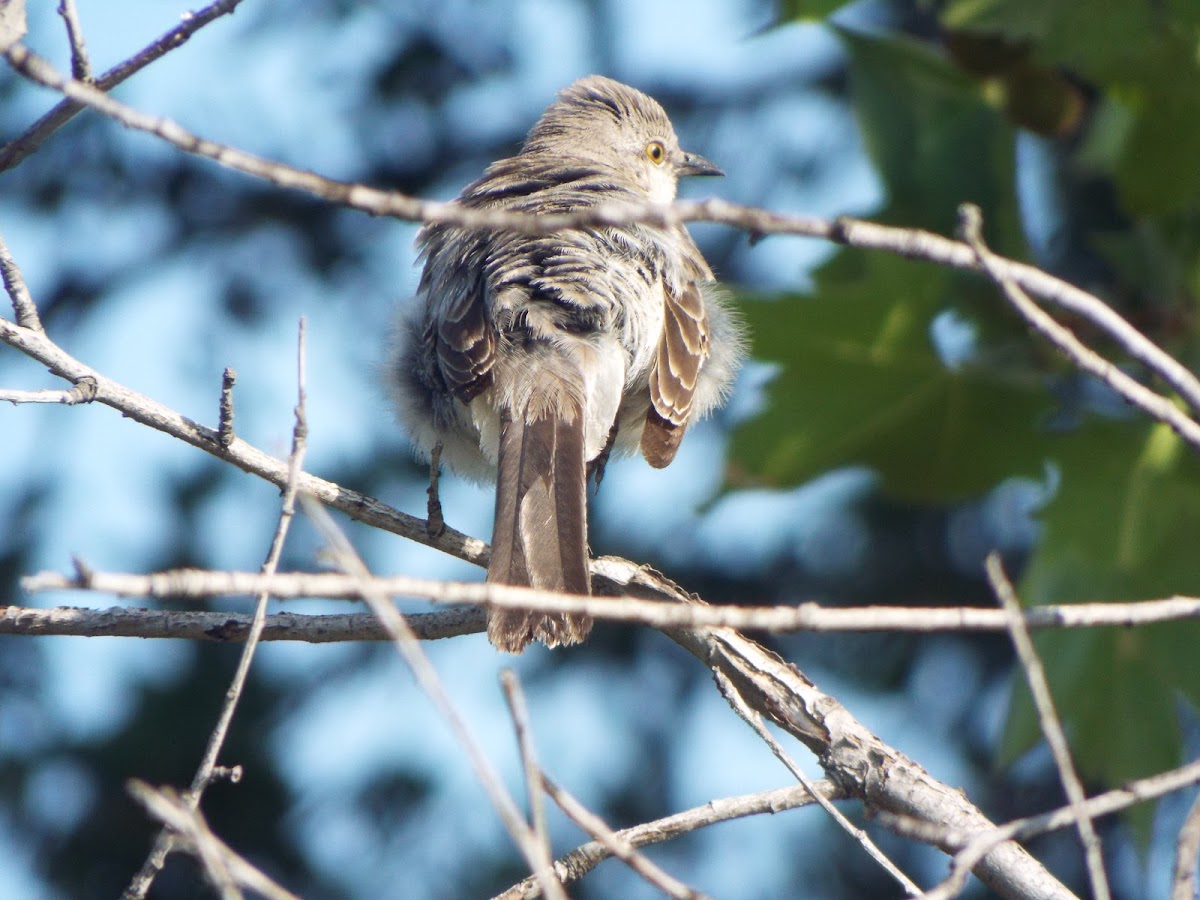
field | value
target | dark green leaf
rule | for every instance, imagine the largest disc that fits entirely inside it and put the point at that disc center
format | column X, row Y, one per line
column 808, row 10
column 1125, row 525
column 861, row 384
column 932, row 136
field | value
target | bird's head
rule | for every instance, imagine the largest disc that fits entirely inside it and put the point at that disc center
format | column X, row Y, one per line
column 598, row 122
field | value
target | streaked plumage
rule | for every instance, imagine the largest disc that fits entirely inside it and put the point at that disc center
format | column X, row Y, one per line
column 521, row 352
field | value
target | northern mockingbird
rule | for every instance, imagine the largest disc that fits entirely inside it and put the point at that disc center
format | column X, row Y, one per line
column 528, row 358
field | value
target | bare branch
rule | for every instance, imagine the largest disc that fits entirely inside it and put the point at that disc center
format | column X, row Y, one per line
column 858, row 757
column 1088, row 360
column 617, row 846
column 885, row 779
column 1035, row 675
column 578, row 862
column 83, row 392
column 18, row 292
column 971, row 847
column 193, row 832
column 911, row 243
column 81, row 66
column 16, row 150
column 142, row 880
column 427, row 678
column 142, row 409
column 12, row 22
column 228, row 627
column 754, row 720
column 196, row 584
column 519, row 712
column 166, row 803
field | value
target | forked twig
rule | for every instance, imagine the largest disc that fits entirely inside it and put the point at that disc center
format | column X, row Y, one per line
column 20, row 147
column 409, row 647
column 140, row 884
column 754, row 720
column 576, row 863
column 1065, row 341
column 223, row 866
column 519, row 712
column 618, row 846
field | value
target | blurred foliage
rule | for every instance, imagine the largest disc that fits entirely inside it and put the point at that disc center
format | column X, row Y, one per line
column 860, row 383
column 1111, row 93
column 808, row 10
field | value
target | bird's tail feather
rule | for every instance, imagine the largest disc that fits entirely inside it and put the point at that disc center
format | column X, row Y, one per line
column 540, row 534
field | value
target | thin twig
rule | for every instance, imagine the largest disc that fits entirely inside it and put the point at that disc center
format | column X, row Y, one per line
column 573, row 865
column 194, row 835
column 1088, row 360
column 225, row 409
column 754, row 720
column 1035, row 674
column 18, row 293
column 1187, row 849
column 970, row 847
column 81, row 66
column 618, row 846
column 345, row 557
column 166, row 804
column 519, row 711
column 140, row 884
column 17, row 149
column 83, row 392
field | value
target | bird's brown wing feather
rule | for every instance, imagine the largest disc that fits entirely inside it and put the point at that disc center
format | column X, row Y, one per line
column 466, row 344
column 682, row 349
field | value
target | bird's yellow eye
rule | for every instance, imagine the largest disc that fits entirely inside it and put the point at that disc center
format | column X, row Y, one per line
column 656, row 152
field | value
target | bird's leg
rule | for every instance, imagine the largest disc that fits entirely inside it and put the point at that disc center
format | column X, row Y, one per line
column 435, row 525
column 595, row 469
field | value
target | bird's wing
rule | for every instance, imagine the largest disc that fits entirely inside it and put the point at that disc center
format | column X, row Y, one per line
column 464, row 338
column 682, row 349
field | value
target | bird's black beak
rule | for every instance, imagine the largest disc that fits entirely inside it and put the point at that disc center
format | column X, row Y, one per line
column 694, row 164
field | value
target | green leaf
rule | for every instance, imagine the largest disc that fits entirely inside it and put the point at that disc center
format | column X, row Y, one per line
column 935, row 140
column 1124, row 525
column 1142, row 56
column 808, row 10
column 861, row 384
column 1099, row 39
column 1116, row 703
column 1157, row 171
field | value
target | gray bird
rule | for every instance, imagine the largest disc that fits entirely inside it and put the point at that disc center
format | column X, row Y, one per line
column 529, row 358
